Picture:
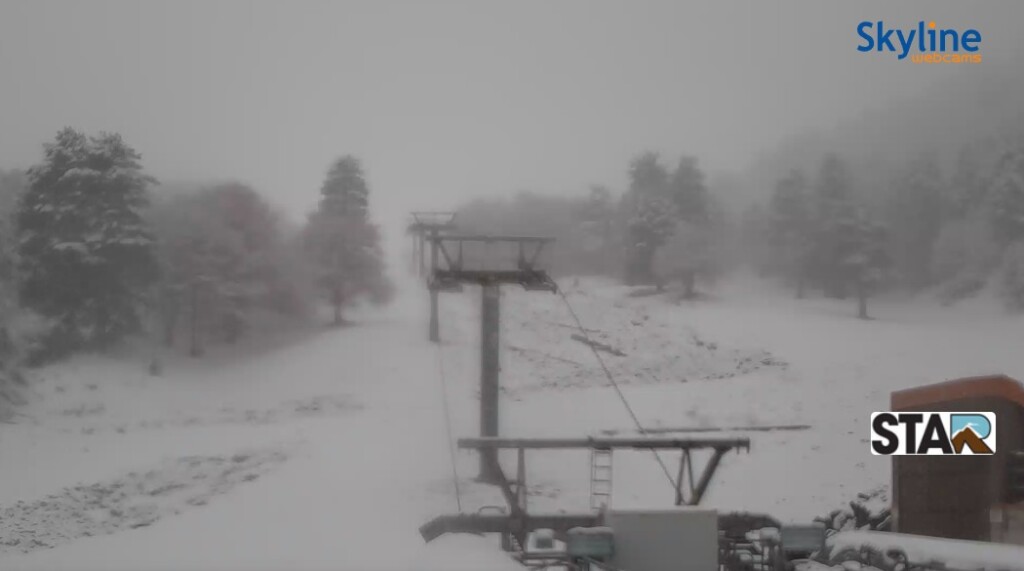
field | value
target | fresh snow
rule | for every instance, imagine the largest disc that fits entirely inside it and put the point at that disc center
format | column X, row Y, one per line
column 954, row 554
column 329, row 451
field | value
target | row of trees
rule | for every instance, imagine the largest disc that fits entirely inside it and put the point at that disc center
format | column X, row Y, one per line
column 665, row 225
column 819, row 233
column 92, row 249
column 847, row 228
column 911, row 226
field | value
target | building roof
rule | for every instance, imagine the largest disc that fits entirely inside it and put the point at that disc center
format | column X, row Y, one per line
column 992, row 386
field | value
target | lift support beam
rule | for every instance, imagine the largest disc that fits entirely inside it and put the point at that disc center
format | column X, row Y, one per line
column 636, row 443
column 480, row 523
column 451, row 275
column 519, row 523
column 685, row 477
column 423, row 226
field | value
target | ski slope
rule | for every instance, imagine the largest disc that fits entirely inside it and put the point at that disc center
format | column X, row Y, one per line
column 330, row 451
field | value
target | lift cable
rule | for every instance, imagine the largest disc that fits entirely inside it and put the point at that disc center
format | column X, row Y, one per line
column 448, row 425
column 615, row 385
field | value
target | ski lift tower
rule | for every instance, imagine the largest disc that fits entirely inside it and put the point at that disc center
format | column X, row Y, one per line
column 478, row 259
column 423, row 225
column 516, row 523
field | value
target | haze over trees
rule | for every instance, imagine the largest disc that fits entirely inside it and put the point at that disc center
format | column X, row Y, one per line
column 343, row 243
column 848, row 228
column 85, row 255
column 94, row 252
column 665, row 226
column 226, row 259
column 954, row 231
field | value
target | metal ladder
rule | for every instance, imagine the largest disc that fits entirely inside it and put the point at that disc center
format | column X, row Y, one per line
column 600, row 478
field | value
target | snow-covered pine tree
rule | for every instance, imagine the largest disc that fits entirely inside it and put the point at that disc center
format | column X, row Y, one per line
column 915, row 214
column 867, row 258
column 693, row 235
column 833, row 214
column 694, row 251
column 342, row 242
column 1011, row 276
column 651, row 216
column 12, row 185
column 689, row 191
column 754, row 231
column 969, row 182
column 790, row 228
column 345, row 192
column 86, row 254
column 966, row 250
column 1006, row 196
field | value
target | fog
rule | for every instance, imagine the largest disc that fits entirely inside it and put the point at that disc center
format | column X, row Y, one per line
column 448, row 100
column 225, row 344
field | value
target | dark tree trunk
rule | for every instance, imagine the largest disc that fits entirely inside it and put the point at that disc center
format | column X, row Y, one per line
column 638, row 267
column 336, row 301
column 169, row 333
column 862, row 300
column 101, row 338
column 232, row 328
column 644, row 267
column 170, row 321
column 195, row 346
column 689, row 284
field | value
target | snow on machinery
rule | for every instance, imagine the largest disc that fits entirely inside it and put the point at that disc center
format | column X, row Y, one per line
column 685, row 537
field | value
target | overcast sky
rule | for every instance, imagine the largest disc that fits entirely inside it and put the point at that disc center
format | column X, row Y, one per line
column 444, row 100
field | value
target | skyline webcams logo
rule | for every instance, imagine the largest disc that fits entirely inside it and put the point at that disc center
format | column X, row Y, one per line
column 932, row 44
column 933, row 433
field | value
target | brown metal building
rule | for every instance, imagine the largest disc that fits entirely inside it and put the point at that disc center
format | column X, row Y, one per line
column 962, row 497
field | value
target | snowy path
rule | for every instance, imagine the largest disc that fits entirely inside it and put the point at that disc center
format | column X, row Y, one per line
column 351, row 495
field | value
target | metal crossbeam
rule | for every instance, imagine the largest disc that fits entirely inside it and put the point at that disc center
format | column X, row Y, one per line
column 487, row 239
column 637, row 443
column 688, row 489
column 529, row 279
column 426, row 220
column 451, row 248
column 480, row 523
column 423, row 226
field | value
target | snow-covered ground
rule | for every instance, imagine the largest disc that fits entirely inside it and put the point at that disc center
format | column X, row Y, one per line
column 328, row 453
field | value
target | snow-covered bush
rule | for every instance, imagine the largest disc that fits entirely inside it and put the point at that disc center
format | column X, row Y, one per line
column 869, row 511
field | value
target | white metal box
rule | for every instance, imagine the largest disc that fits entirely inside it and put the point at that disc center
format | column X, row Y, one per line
column 677, row 539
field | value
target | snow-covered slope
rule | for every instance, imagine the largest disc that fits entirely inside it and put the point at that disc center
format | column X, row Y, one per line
column 329, row 453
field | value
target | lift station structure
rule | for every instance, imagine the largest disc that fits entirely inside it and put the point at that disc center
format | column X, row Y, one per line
column 460, row 259
column 456, row 260
column 422, row 226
